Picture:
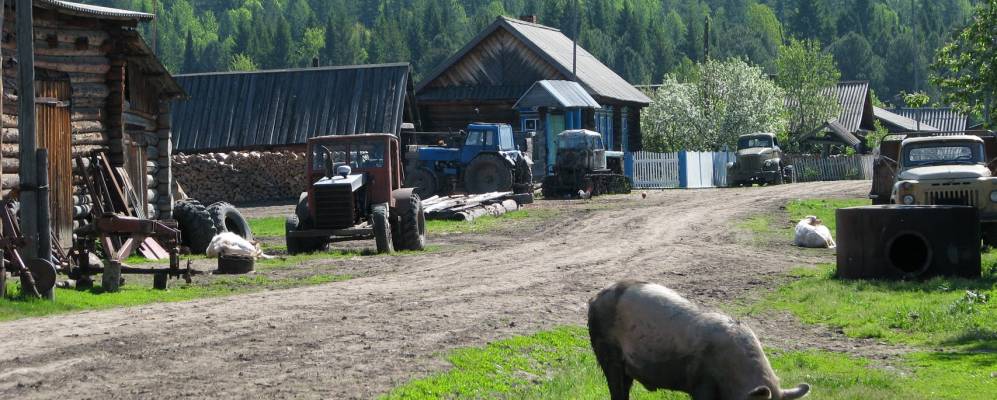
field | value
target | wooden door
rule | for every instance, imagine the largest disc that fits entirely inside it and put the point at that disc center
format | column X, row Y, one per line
column 55, row 134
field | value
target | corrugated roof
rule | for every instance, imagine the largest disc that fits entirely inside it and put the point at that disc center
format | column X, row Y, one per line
column 944, row 119
column 844, row 135
column 900, row 122
column 563, row 94
column 286, row 107
column 852, row 96
column 86, row 10
column 556, row 48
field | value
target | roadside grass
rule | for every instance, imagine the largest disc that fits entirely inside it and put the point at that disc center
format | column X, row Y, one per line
column 559, row 364
column 765, row 227
column 487, row 223
column 132, row 294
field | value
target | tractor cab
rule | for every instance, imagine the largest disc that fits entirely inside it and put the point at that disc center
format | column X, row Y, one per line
column 582, row 149
column 494, row 138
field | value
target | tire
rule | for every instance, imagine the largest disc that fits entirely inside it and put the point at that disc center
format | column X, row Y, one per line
column 382, row 228
column 411, row 227
column 300, row 222
column 488, row 173
column 196, row 226
column 424, row 181
column 549, row 189
column 228, row 219
column 524, row 177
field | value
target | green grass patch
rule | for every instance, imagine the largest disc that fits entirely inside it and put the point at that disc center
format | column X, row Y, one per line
column 132, row 294
column 486, row 223
column 939, row 312
column 267, row 226
column 822, row 208
column 559, row 364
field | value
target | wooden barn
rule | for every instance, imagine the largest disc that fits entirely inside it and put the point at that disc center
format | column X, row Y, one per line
column 98, row 87
column 485, row 79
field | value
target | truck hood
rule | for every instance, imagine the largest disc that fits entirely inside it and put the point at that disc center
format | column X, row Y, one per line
column 945, row 172
column 754, row 151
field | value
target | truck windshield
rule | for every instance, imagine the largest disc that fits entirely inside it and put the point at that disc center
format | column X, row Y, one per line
column 949, row 153
column 754, row 141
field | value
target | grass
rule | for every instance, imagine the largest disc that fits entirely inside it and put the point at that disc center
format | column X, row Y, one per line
column 70, row 300
column 559, row 364
column 764, row 227
column 486, row 223
column 267, row 226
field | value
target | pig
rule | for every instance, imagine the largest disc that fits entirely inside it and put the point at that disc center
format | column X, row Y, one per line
column 649, row 333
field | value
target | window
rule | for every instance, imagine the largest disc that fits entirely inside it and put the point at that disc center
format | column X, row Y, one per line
column 531, row 125
column 320, row 151
column 367, row 155
column 948, row 153
column 505, row 139
column 475, row 138
column 748, row 142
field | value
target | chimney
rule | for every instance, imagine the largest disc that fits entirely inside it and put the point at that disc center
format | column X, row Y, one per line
column 529, row 18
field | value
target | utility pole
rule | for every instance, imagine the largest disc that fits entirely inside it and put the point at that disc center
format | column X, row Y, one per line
column 26, row 127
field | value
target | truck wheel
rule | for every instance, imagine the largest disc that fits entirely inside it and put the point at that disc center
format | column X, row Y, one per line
column 298, row 245
column 488, row 173
column 196, row 227
column 423, row 180
column 412, row 227
column 228, row 219
column 382, row 228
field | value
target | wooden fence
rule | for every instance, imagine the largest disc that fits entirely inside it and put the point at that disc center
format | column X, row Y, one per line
column 655, row 170
column 816, row 168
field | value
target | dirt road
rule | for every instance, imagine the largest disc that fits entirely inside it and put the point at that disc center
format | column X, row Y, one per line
column 359, row 338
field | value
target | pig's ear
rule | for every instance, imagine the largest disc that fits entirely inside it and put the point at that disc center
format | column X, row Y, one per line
column 760, row 393
column 799, row 391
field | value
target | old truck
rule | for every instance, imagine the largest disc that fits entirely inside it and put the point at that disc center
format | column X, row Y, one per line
column 354, row 193
column 759, row 160
column 581, row 166
column 939, row 169
column 485, row 159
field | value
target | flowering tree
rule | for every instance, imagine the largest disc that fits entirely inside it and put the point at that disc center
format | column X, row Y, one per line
column 723, row 100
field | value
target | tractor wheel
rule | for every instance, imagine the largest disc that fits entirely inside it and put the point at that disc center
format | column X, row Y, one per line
column 488, row 173
column 196, row 227
column 228, row 219
column 411, row 232
column 550, row 188
column 423, row 180
column 300, row 221
column 523, row 182
column 382, row 228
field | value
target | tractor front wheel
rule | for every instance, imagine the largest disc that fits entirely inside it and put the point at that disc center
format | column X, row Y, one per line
column 382, row 228
column 301, row 221
column 488, row 173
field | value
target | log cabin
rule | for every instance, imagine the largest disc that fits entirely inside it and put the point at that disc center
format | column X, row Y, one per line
column 99, row 87
column 483, row 81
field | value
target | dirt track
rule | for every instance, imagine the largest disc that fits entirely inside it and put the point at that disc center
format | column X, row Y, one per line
column 359, row 338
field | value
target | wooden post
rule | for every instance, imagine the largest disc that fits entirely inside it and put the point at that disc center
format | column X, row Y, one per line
column 44, row 228
column 26, row 126
column 3, row 271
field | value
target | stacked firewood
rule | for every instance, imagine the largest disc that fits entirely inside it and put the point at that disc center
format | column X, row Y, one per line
column 241, row 176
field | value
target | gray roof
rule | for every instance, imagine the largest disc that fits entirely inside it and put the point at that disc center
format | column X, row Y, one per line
column 286, row 107
column 555, row 48
column 86, row 10
column 943, row 119
column 852, row 96
column 562, row 94
column 901, row 122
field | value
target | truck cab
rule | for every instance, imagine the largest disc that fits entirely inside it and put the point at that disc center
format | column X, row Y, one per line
column 759, row 160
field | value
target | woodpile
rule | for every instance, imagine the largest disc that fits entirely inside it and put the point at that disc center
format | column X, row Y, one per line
column 469, row 207
column 241, row 176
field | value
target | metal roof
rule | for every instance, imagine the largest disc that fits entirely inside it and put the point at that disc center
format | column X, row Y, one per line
column 944, row 119
column 901, row 122
column 844, row 135
column 86, row 10
column 286, row 107
column 852, row 96
column 555, row 48
column 562, row 94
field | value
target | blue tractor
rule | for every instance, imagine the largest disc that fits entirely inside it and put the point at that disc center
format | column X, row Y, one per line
column 486, row 161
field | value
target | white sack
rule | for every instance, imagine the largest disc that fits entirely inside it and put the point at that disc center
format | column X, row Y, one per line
column 810, row 232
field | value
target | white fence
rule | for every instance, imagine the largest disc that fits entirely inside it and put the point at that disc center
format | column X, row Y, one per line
column 709, row 169
column 843, row 168
column 655, row 170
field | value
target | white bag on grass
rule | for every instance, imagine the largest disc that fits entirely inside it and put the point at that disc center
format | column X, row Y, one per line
column 810, row 232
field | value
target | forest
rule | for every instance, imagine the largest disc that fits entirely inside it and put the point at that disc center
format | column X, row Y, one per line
column 891, row 43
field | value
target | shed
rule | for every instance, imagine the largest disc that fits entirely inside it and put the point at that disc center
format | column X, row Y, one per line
column 485, row 79
column 283, row 108
column 100, row 87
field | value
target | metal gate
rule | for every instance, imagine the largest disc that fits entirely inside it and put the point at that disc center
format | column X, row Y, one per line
column 55, row 134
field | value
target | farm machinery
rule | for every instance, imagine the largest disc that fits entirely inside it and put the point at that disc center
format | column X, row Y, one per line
column 486, row 160
column 581, row 165
column 355, row 193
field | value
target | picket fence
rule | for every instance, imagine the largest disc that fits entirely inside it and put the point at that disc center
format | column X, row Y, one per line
column 690, row 169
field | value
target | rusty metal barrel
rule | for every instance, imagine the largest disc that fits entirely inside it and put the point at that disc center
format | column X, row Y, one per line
column 908, row 242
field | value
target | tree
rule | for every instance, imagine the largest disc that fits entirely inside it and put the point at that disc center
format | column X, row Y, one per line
column 966, row 67
column 857, row 59
column 189, row 58
column 242, row 62
column 809, row 77
column 727, row 99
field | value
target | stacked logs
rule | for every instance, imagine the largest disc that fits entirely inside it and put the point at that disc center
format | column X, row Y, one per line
column 241, row 176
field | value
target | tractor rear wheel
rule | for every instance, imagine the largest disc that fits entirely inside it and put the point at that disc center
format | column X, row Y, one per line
column 228, row 219
column 488, row 173
column 423, row 180
column 411, row 232
column 196, row 227
column 382, row 228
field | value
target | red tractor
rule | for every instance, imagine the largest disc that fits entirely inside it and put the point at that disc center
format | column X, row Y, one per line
column 355, row 193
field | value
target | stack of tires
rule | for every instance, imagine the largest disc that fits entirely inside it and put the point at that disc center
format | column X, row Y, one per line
column 200, row 223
